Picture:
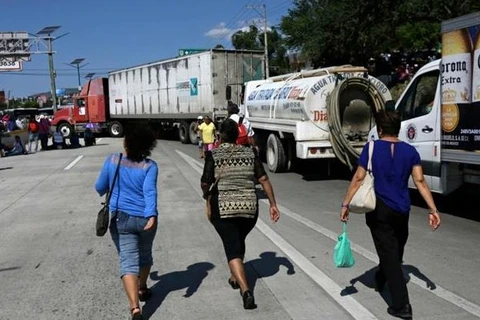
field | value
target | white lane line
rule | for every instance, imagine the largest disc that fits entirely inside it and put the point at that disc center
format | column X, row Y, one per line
column 74, row 162
column 438, row 291
column 98, row 140
column 351, row 305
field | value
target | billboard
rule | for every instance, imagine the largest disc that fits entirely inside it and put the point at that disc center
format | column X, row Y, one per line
column 7, row 65
column 460, row 71
column 15, row 45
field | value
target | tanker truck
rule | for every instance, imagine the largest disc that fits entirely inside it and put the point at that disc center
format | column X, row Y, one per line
column 316, row 114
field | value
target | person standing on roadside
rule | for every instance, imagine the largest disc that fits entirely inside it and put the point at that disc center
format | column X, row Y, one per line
column 33, row 128
column 43, row 132
column 207, row 129
column 393, row 162
column 133, row 206
column 199, row 136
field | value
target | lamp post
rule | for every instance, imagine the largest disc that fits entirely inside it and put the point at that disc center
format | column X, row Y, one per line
column 46, row 34
column 76, row 64
column 89, row 76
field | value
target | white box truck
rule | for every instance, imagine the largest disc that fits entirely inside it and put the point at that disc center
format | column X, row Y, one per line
column 440, row 109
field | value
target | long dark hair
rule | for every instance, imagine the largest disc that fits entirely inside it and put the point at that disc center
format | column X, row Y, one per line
column 139, row 142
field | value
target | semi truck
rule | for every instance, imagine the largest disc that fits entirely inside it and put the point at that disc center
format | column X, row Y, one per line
column 169, row 94
column 440, row 109
column 314, row 114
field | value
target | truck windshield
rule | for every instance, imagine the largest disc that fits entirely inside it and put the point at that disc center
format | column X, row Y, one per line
column 418, row 100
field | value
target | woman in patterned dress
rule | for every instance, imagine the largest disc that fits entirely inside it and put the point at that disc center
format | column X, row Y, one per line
column 234, row 202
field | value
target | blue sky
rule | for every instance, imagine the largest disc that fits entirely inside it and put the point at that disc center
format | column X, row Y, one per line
column 112, row 34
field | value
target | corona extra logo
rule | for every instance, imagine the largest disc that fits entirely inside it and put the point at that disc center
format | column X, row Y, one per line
column 449, row 95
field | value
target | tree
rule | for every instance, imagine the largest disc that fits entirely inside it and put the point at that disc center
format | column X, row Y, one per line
column 253, row 39
column 219, row 46
column 352, row 31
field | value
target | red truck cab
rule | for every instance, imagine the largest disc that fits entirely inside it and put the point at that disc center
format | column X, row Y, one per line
column 89, row 106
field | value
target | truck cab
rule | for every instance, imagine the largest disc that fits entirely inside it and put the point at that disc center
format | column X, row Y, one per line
column 90, row 106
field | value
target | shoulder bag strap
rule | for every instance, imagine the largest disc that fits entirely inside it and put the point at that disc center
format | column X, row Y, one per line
column 107, row 201
column 370, row 153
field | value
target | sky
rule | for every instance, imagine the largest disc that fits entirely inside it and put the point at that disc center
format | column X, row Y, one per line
column 114, row 34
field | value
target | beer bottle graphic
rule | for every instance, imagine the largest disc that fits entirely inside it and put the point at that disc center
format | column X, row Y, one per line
column 456, row 73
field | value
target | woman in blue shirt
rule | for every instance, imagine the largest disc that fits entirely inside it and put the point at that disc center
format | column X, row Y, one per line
column 393, row 162
column 133, row 207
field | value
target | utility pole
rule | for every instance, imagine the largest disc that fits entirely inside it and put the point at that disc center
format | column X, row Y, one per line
column 265, row 37
column 53, row 74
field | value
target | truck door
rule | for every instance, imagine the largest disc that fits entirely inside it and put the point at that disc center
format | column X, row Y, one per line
column 419, row 110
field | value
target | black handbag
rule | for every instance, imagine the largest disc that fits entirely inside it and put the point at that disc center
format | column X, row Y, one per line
column 103, row 217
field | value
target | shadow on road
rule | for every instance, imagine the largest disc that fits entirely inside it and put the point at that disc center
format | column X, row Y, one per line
column 6, row 168
column 266, row 266
column 189, row 279
column 462, row 203
column 368, row 280
column 9, row 269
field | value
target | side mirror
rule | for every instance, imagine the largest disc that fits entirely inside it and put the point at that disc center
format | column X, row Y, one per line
column 228, row 93
column 390, row 105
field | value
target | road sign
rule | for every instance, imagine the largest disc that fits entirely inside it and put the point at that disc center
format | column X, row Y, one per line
column 186, row 52
column 6, row 65
column 15, row 44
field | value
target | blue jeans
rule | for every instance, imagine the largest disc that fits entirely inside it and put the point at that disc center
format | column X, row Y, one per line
column 134, row 245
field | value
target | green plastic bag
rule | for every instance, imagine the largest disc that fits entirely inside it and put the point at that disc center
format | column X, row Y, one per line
column 343, row 256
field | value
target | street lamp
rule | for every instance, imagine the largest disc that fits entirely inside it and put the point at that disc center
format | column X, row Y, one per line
column 45, row 33
column 89, row 76
column 76, row 64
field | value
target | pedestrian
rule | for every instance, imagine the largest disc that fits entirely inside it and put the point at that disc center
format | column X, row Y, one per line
column 234, row 202
column 393, row 162
column 17, row 149
column 133, row 206
column 33, row 128
column 199, row 138
column 234, row 114
column 207, row 129
column 44, row 132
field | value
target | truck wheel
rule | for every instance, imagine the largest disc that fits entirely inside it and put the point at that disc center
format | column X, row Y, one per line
column 192, row 132
column 65, row 129
column 183, row 132
column 115, row 129
column 276, row 158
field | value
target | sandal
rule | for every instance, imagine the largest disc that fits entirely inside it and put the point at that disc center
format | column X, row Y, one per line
column 144, row 294
column 136, row 315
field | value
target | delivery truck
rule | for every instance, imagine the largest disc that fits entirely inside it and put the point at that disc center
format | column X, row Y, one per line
column 440, row 109
column 169, row 94
column 314, row 114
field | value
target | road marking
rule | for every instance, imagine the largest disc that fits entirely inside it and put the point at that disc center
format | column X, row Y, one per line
column 438, row 291
column 351, row 305
column 98, row 140
column 74, row 162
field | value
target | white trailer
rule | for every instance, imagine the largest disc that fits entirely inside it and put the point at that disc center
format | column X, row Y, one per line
column 174, row 92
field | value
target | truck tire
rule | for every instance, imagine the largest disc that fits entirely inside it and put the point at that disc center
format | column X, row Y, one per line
column 183, row 132
column 65, row 129
column 192, row 132
column 115, row 129
column 276, row 158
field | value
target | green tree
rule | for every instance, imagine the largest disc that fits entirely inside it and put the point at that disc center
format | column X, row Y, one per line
column 253, row 39
column 351, row 31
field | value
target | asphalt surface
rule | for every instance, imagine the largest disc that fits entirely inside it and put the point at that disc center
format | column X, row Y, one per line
column 52, row 266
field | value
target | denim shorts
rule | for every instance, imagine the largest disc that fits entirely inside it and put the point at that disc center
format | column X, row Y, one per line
column 134, row 245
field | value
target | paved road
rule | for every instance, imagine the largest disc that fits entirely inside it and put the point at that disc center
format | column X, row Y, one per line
column 53, row 267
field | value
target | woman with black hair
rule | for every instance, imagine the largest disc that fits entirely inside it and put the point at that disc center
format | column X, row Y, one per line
column 393, row 162
column 233, row 201
column 133, row 207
